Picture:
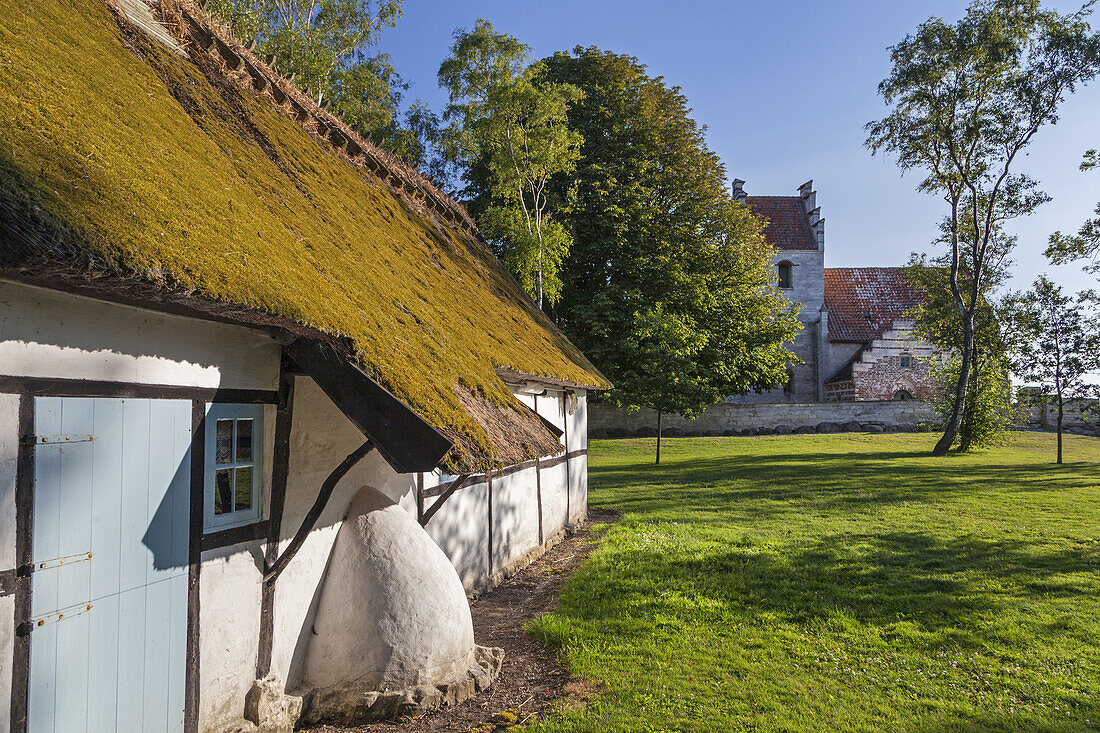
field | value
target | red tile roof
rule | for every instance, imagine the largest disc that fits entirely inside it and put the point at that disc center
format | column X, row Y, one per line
column 788, row 226
column 864, row 301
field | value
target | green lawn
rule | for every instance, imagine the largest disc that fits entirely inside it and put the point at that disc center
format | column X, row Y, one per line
column 838, row 583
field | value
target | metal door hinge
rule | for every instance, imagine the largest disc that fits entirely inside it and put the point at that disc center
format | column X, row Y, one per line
column 53, row 618
column 59, row 561
column 62, row 439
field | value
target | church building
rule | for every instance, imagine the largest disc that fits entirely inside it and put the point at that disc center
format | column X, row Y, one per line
column 857, row 340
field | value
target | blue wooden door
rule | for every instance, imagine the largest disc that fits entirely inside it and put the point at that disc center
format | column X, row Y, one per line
column 109, row 590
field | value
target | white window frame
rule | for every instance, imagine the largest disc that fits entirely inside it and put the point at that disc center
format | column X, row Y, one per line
column 223, row 411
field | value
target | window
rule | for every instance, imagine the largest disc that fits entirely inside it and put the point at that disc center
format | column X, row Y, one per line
column 788, row 386
column 906, row 361
column 901, row 395
column 234, row 465
column 785, row 276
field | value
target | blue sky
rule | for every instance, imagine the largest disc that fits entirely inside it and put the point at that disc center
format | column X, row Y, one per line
column 784, row 89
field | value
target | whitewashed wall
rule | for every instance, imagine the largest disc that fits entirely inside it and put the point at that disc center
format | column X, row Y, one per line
column 9, row 451
column 321, row 437
column 461, row 527
column 44, row 333
column 229, row 617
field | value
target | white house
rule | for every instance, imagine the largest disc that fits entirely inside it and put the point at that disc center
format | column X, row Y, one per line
column 258, row 383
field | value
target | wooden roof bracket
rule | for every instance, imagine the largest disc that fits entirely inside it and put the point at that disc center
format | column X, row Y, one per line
column 407, row 442
column 259, row 81
column 232, row 59
column 272, row 572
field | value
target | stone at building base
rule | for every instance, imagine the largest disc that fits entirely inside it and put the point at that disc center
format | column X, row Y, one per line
column 351, row 704
column 269, row 708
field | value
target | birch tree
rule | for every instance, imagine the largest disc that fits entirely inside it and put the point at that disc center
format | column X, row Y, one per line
column 506, row 119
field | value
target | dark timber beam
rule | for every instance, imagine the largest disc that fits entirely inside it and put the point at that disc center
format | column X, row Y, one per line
column 465, row 479
column 314, row 512
column 405, row 440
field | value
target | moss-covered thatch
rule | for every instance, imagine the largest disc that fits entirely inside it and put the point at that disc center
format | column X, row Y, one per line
column 158, row 167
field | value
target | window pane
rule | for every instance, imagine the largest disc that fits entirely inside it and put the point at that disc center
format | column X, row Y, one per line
column 785, row 275
column 244, row 489
column 223, row 491
column 244, row 439
column 224, row 453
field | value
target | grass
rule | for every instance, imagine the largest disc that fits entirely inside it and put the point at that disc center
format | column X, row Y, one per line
column 840, row 583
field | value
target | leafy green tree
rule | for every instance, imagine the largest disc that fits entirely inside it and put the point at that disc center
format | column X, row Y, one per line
column 1086, row 243
column 513, row 124
column 668, row 286
column 988, row 411
column 327, row 46
column 1056, row 343
column 665, row 374
column 967, row 99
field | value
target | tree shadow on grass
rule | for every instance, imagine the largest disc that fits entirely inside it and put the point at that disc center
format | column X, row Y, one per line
column 752, row 484
column 878, row 579
column 1006, row 724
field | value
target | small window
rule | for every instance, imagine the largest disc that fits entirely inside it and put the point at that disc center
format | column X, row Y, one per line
column 906, row 361
column 785, row 275
column 901, row 395
column 234, row 465
column 788, row 386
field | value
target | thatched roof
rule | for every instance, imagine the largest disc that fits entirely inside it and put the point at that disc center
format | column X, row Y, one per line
column 129, row 170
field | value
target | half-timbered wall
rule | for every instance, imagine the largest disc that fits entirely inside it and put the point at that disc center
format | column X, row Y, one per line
column 50, row 338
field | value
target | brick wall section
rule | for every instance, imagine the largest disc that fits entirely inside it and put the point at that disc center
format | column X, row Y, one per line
column 844, row 390
column 723, row 417
column 878, row 375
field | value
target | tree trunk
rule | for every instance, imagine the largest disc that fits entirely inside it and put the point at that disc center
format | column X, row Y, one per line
column 1061, row 413
column 658, row 462
column 966, row 420
column 951, row 430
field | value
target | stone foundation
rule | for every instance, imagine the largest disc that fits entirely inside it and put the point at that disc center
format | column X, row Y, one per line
column 350, row 703
column 757, row 419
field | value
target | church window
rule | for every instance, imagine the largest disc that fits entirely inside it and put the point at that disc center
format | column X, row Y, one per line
column 786, row 280
column 906, row 361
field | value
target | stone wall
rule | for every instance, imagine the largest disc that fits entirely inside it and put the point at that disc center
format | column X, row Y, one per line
column 1077, row 413
column 731, row 418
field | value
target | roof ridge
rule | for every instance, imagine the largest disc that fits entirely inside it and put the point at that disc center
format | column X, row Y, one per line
column 189, row 22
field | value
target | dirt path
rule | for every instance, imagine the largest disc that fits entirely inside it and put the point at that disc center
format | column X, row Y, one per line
column 531, row 678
